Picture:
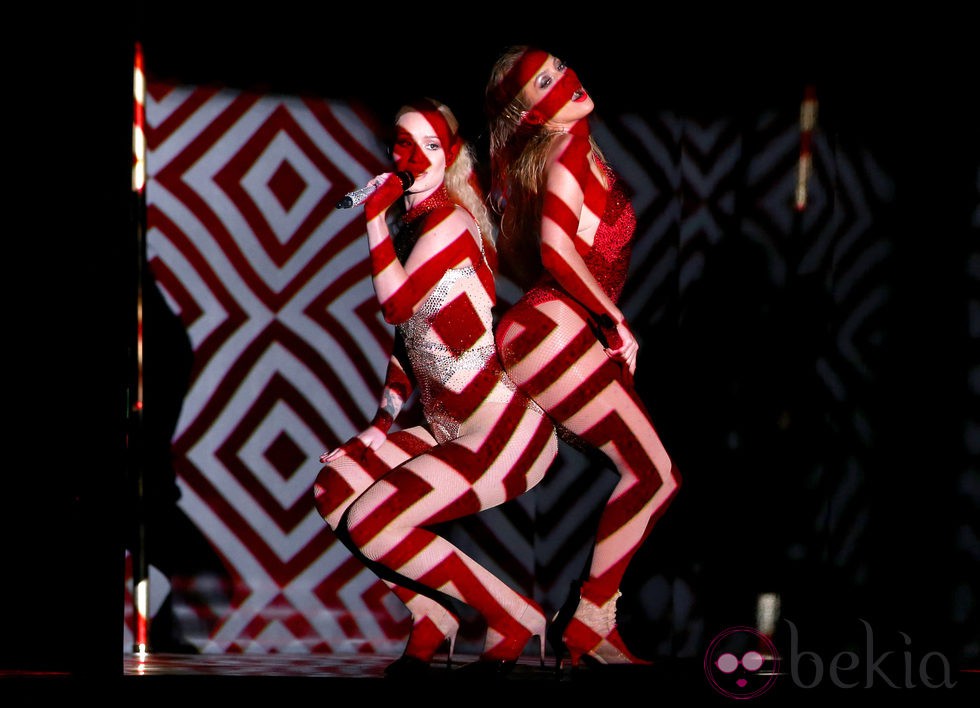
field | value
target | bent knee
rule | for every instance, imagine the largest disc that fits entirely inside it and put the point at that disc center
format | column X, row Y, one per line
column 671, row 480
column 357, row 530
column 331, row 494
column 661, row 479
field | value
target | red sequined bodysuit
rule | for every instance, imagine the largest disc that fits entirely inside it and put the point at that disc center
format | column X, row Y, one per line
column 609, row 258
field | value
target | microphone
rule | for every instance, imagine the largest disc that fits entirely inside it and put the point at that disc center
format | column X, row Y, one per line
column 352, row 199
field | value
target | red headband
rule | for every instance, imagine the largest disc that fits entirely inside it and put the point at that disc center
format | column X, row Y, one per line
column 525, row 69
column 521, row 72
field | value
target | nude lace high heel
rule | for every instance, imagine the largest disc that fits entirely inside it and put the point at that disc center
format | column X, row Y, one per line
column 429, row 634
column 592, row 634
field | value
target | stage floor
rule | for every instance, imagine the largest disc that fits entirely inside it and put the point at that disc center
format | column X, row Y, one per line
column 185, row 680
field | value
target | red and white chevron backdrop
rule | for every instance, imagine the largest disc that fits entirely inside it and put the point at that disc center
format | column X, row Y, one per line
column 272, row 284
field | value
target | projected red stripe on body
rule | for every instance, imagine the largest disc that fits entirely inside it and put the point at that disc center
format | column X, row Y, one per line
column 565, row 342
column 484, row 442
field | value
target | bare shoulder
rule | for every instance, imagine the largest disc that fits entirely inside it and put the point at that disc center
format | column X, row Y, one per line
column 448, row 222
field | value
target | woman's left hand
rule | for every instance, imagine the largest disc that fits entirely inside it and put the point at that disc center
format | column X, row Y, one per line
column 627, row 350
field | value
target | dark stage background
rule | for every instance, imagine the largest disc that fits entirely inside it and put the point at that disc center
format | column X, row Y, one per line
column 822, row 408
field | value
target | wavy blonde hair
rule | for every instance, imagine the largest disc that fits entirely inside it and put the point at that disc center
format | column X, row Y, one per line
column 518, row 156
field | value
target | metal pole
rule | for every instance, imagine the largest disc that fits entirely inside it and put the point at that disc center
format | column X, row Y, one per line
column 141, row 579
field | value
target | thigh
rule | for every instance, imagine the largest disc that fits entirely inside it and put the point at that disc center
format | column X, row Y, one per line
column 549, row 349
column 343, row 479
column 487, row 465
column 551, row 353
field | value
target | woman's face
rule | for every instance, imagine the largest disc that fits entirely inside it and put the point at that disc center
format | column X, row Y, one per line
column 419, row 149
column 552, row 89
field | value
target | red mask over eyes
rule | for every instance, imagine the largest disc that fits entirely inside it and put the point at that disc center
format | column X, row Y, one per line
column 410, row 156
column 561, row 92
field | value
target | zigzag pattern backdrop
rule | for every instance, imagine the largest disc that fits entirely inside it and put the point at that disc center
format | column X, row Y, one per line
column 272, row 284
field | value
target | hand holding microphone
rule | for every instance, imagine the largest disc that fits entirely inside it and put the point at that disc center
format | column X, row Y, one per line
column 352, row 199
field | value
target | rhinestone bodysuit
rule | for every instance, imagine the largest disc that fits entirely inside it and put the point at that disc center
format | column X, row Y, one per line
column 450, row 339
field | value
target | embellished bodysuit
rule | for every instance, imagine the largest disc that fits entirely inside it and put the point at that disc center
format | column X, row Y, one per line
column 449, row 338
column 483, row 444
column 609, row 258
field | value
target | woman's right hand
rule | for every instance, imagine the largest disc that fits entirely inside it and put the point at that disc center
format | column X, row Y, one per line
column 389, row 191
column 370, row 439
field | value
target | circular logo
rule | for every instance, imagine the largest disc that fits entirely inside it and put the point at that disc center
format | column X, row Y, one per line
column 741, row 663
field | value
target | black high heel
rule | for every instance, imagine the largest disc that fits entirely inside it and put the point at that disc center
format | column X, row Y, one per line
column 485, row 670
column 429, row 634
column 500, row 661
column 407, row 667
column 560, row 622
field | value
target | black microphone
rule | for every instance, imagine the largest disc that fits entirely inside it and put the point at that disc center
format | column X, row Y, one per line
column 352, row 199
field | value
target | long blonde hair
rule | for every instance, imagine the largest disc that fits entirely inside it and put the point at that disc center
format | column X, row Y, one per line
column 519, row 154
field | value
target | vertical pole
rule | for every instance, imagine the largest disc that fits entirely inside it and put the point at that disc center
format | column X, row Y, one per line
column 141, row 589
column 796, row 246
column 808, row 120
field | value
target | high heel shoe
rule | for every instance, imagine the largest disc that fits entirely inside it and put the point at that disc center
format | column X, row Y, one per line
column 500, row 656
column 560, row 620
column 429, row 633
column 592, row 634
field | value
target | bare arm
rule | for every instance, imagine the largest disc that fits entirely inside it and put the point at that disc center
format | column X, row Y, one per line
column 446, row 242
column 397, row 389
column 564, row 210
